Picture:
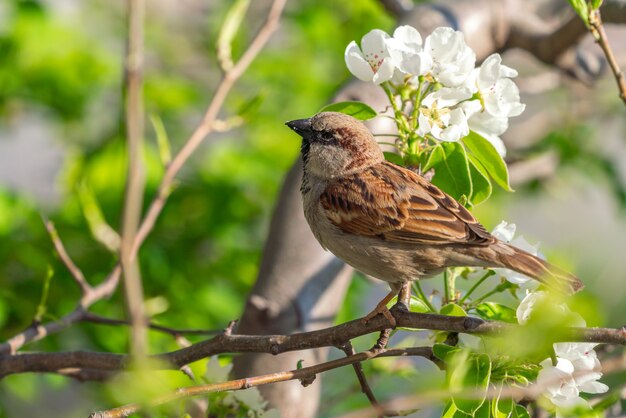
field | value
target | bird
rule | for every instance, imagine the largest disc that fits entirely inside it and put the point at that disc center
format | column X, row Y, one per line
column 388, row 221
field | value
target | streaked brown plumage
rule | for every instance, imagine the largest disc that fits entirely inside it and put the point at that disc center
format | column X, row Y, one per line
column 389, row 222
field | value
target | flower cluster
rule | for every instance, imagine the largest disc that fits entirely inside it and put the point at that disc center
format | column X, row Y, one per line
column 450, row 95
column 576, row 367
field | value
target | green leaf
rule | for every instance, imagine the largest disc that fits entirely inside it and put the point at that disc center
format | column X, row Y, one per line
column 100, row 229
column 250, row 107
column 163, row 142
column 520, row 412
column 43, row 302
column 232, row 21
column 482, row 411
column 452, row 309
column 418, row 305
column 299, row 364
column 483, row 153
column 496, row 311
column 452, row 175
column 470, row 372
column 451, row 411
column 580, row 7
column 441, row 351
column 357, row 110
column 392, row 157
column 596, row 4
column 481, row 185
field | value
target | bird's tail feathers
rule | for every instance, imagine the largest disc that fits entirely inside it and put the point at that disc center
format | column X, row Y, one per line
column 548, row 274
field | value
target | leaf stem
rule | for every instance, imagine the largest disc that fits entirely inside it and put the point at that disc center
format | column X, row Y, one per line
column 478, row 283
column 422, row 295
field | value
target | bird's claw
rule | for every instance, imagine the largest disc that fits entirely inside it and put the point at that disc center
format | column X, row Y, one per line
column 381, row 310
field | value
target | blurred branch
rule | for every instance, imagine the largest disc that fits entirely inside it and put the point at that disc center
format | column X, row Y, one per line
column 38, row 331
column 360, row 375
column 107, row 287
column 135, row 181
column 335, row 336
column 174, row 332
column 206, row 126
column 517, row 392
column 303, row 374
column 397, row 8
column 74, row 270
column 597, row 30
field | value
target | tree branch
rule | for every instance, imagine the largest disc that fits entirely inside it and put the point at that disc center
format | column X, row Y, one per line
column 206, row 126
column 135, row 181
column 106, row 288
column 305, row 373
column 74, row 270
column 174, row 332
column 38, row 331
column 276, row 344
column 597, row 30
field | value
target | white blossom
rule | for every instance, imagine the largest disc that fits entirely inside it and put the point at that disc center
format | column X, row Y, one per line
column 486, row 125
column 577, row 366
column 527, row 305
column 559, row 384
column 587, row 367
column 372, row 61
column 505, row 232
column 406, row 49
column 498, row 93
column 453, row 60
column 439, row 117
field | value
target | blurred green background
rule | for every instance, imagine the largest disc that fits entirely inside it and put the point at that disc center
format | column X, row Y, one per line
column 62, row 146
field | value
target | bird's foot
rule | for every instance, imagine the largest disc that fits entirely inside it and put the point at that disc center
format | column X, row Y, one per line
column 381, row 309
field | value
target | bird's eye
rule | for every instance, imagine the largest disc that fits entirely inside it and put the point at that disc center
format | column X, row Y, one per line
column 326, row 136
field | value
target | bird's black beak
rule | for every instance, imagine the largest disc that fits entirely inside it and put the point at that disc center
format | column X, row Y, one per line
column 300, row 126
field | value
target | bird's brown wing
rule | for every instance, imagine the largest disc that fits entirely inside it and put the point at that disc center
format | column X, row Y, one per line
column 395, row 204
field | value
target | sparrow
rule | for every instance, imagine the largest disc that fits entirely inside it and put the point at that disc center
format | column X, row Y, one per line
column 388, row 221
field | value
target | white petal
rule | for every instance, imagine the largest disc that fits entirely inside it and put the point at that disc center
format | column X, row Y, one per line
column 564, row 365
column 397, row 51
column 385, row 71
column 373, row 42
column 435, row 131
column 503, row 99
column 424, row 125
column 357, row 64
column 522, row 244
column 409, row 36
column 504, row 231
column 448, row 96
column 486, row 122
column 443, row 44
column 594, row 387
column 471, row 107
column 419, row 64
column 525, row 308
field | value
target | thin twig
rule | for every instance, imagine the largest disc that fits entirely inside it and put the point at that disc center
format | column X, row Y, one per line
column 174, row 332
column 110, row 284
column 239, row 384
column 36, row 332
column 360, row 375
column 597, row 30
column 515, row 392
column 74, row 270
column 135, row 181
column 206, row 126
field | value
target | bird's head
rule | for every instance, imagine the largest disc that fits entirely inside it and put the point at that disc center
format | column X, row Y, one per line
column 335, row 144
